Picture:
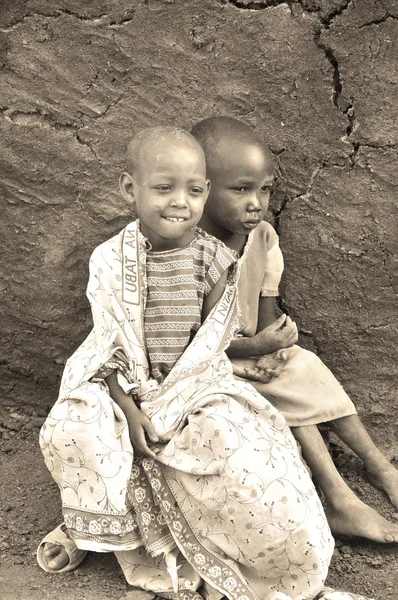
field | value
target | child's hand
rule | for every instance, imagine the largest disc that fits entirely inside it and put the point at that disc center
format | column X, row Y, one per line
column 268, row 367
column 139, row 427
column 281, row 334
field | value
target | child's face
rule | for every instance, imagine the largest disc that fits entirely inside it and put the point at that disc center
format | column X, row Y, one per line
column 241, row 179
column 169, row 189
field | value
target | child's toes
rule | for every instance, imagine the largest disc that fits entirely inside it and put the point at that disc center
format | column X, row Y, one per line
column 52, row 550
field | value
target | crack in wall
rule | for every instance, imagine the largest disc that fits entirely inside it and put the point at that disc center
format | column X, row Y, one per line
column 382, row 19
column 344, row 106
column 305, row 195
column 327, row 20
column 386, row 269
column 86, row 144
column 331, row 58
column 254, row 4
column 38, row 118
column 280, row 301
column 264, row 4
column 57, row 13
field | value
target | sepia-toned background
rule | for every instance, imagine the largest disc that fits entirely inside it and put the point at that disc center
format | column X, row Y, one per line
column 316, row 78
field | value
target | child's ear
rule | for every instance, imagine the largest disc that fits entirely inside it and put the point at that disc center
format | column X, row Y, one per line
column 127, row 185
column 208, row 186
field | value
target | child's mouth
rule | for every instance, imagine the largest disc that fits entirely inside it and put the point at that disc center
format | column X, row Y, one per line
column 251, row 224
column 176, row 219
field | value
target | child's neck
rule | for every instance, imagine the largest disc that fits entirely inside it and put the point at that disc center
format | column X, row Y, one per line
column 158, row 243
column 230, row 239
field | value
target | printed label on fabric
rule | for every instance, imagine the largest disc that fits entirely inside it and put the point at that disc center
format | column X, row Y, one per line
column 223, row 310
column 130, row 268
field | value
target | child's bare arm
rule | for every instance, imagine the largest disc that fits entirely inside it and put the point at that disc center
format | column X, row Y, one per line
column 266, row 312
column 139, row 424
column 271, row 334
column 281, row 334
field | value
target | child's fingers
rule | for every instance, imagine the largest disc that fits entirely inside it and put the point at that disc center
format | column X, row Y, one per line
column 148, row 452
column 290, row 326
column 257, row 375
column 274, row 373
column 141, row 446
column 239, row 371
column 151, row 432
column 289, row 335
column 280, row 322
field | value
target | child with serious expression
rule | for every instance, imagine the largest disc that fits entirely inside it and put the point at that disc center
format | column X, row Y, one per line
column 240, row 168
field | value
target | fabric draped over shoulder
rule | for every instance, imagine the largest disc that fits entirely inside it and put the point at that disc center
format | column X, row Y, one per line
column 228, row 504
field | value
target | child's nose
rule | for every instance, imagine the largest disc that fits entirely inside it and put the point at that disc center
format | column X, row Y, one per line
column 254, row 204
column 180, row 199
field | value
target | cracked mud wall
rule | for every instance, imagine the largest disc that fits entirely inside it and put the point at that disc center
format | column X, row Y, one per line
column 316, row 78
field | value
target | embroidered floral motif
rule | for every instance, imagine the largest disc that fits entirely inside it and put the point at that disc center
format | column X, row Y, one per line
column 199, row 559
column 94, row 527
column 115, row 528
column 155, row 483
column 139, row 494
column 230, row 583
column 135, row 472
column 146, row 517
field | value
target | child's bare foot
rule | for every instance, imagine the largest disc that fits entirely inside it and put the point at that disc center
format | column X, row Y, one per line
column 354, row 518
column 58, row 553
column 385, row 479
column 55, row 557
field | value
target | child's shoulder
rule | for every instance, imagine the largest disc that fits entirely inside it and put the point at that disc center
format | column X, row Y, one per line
column 265, row 235
column 211, row 243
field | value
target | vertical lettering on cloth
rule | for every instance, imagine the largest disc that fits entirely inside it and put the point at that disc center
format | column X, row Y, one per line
column 224, row 306
column 130, row 267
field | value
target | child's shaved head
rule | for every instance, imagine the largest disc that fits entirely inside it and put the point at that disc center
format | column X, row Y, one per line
column 214, row 132
column 149, row 139
column 241, row 170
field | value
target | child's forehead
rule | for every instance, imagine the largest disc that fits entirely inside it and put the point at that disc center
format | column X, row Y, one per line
column 237, row 158
column 170, row 156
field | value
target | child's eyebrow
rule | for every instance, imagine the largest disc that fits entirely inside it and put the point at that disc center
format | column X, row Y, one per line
column 235, row 182
column 175, row 176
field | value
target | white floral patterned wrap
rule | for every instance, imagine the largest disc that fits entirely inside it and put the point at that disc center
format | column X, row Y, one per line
column 228, row 499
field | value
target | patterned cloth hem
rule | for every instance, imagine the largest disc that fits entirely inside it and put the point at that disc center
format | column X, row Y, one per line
column 84, row 543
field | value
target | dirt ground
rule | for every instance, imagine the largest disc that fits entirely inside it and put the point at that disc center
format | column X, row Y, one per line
column 29, row 508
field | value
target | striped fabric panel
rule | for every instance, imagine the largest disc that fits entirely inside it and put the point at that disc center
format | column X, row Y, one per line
column 178, row 281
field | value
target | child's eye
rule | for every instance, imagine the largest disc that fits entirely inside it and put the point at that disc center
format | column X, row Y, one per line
column 196, row 190
column 241, row 189
column 163, row 188
column 265, row 189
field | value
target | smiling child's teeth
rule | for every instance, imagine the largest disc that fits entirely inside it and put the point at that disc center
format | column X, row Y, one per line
column 175, row 219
